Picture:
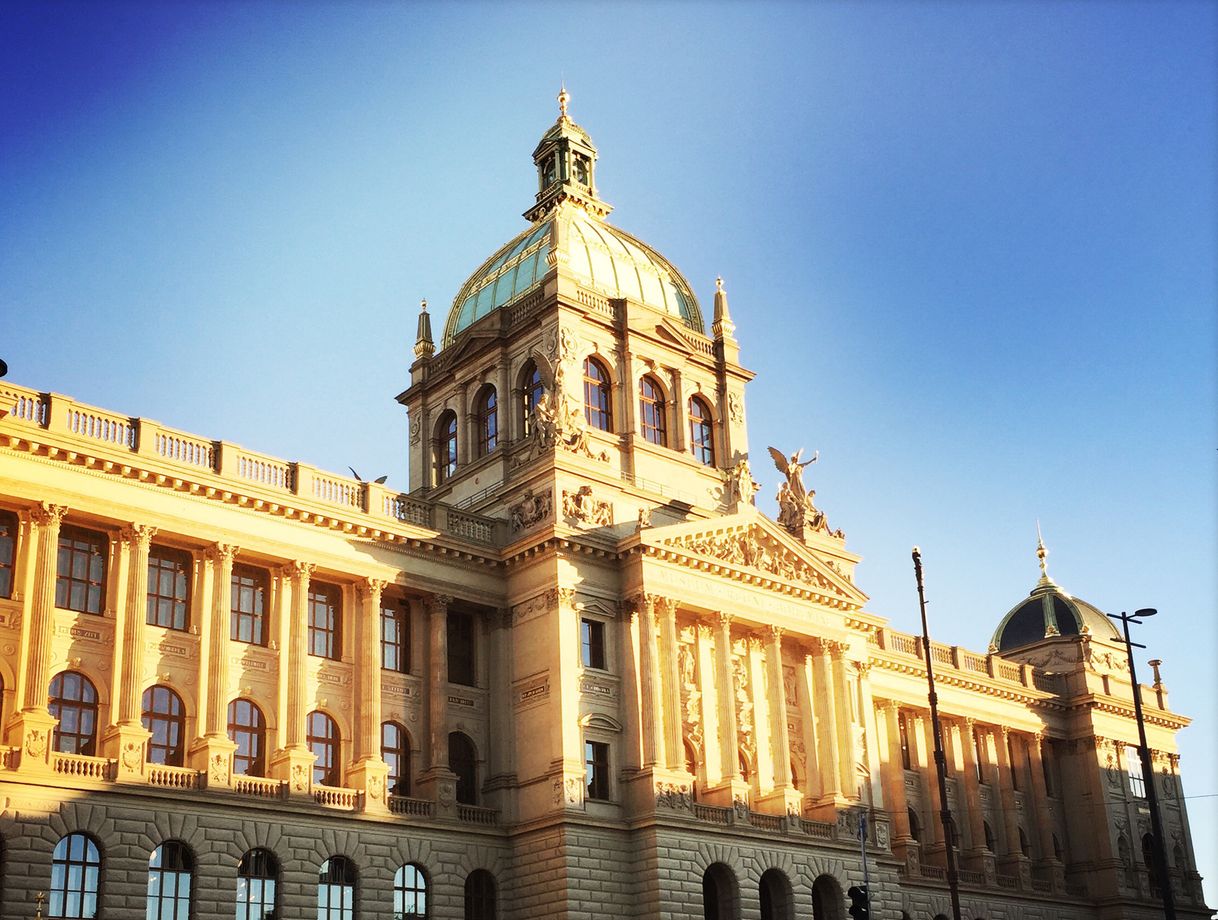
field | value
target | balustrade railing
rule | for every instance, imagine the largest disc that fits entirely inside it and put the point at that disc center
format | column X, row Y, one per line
column 417, row 808
column 168, row 777
column 336, row 797
column 476, row 814
column 82, row 767
column 259, row 787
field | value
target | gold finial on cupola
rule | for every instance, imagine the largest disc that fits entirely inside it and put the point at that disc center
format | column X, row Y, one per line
column 564, row 98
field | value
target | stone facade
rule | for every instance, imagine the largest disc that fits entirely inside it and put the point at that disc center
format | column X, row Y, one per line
column 623, row 691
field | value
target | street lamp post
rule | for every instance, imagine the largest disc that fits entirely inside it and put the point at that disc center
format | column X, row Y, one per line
column 1148, row 773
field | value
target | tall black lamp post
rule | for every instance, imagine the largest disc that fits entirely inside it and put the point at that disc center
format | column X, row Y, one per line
column 1148, row 772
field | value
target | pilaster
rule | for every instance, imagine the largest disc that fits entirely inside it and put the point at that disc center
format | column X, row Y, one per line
column 732, row 789
column 438, row 782
column 368, row 772
column 1047, row 858
column 785, row 799
column 972, row 791
column 294, row 761
column 1013, row 861
column 712, row 756
column 674, row 747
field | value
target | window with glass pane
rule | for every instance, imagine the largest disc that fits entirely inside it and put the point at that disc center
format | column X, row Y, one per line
column 461, row 648
column 596, row 769
column 75, row 878
column 596, row 395
column 169, row 875
column 593, row 643
column 73, row 701
column 168, row 587
column 395, row 637
column 480, row 895
column 488, row 422
column 409, row 892
column 257, row 875
column 701, row 432
column 323, row 742
column 1133, row 766
column 336, row 889
column 80, row 581
column 8, row 551
column 325, row 620
column 251, row 588
column 446, row 447
column 532, row 390
column 247, row 730
column 903, row 728
column 163, row 716
column 652, row 412
column 463, row 761
column 395, row 751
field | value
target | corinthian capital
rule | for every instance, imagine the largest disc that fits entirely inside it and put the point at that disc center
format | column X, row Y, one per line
column 298, row 569
column 371, row 587
column 138, row 535
column 46, row 513
column 437, row 604
column 774, row 633
column 222, row 552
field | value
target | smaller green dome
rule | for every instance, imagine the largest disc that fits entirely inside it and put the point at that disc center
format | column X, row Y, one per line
column 1048, row 612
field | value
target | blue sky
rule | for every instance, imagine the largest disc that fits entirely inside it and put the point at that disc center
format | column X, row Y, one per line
column 970, row 250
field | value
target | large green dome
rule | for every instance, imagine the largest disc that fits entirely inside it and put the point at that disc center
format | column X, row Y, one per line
column 599, row 256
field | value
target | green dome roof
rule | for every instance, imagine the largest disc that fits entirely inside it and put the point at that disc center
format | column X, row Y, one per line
column 1048, row 606
column 599, row 256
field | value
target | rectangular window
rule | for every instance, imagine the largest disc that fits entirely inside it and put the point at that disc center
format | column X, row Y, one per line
column 169, row 573
column 80, row 582
column 395, row 637
column 592, row 634
column 461, row 649
column 251, row 590
column 8, row 551
column 903, row 728
column 596, row 769
column 325, row 621
column 1137, row 779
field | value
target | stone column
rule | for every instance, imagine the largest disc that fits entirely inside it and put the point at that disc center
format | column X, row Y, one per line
column 808, row 698
column 32, row 727
column 828, row 726
column 755, row 726
column 649, row 684
column 712, row 758
column 785, row 799
column 628, row 643
column 438, row 782
column 126, row 738
column 1006, row 790
column 213, row 752
column 932, row 826
column 844, row 719
column 893, row 774
column 674, row 747
column 369, row 772
column 869, row 738
column 1042, row 812
column 566, row 732
column 728, row 738
column 972, row 790
column 502, row 713
column 294, row 761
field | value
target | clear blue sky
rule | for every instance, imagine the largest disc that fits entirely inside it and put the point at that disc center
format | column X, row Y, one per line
column 970, row 248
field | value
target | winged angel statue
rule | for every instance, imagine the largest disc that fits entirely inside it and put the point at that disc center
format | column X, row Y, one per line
column 795, row 506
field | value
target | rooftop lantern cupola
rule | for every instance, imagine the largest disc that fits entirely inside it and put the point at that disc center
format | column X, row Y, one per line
column 566, row 167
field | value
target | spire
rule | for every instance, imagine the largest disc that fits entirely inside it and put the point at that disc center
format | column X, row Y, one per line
column 1042, row 554
column 563, row 99
column 424, row 346
column 722, row 327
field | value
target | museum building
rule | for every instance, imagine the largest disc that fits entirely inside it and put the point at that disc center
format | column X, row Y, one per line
column 573, row 672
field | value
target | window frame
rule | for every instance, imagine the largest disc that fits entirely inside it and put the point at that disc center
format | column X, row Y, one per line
column 89, row 869
column 254, row 897
column 179, row 905
column 701, row 431
column 598, row 395
column 410, row 882
column 59, row 705
column 255, row 732
column 76, row 543
column 593, row 647
column 462, row 648
column 397, row 613
column 653, row 411
column 174, row 724
column 487, row 419
column 398, row 780
column 597, row 786
column 160, row 560
column 481, row 896
column 325, row 631
column 467, row 778
column 1133, row 767
column 346, row 885
column 10, row 528
column 531, row 388
column 258, row 582
column 444, row 447
column 327, row 748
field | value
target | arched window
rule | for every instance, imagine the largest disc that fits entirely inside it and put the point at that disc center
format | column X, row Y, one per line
column 701, row 431
column 165, row 718
column 247, row 730
column 257, row 879
column 1024, row 846
column 1152, row 867
column 720, row 897
column 597, row 406
column 480, row 896
column 336, row 889
column 169, row 874
column 488, row 421
column 8, row 551
column 653, row 412
column 463, row 761
column 73, row 701
column 531, row 390
column 322, row 738
column 409, row 892
column 75, row 878
column 395, row 751
column 446, row 447
column 828, row 903
column 777, row 899
column 915, row 826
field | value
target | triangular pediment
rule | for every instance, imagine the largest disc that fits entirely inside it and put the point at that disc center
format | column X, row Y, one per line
column 752, row 544
column 471, row 342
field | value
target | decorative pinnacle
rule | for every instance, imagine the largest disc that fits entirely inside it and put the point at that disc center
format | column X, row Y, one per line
column 722, row 327
column 424, row 346
column 563, row 99
column 1041, row 553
